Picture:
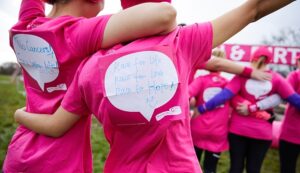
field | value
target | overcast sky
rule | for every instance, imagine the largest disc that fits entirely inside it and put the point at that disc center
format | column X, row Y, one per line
column 189, row 11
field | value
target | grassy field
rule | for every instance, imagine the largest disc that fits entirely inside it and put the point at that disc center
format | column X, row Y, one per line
column 10, row 100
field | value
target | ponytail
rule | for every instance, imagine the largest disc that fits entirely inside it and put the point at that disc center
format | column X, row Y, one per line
column 261, row 62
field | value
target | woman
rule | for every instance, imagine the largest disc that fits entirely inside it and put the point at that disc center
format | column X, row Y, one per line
column 250, row 137
column 139, row 93
column 289, row 141
column 289, row 144
column 209, row 132
column 50, row 49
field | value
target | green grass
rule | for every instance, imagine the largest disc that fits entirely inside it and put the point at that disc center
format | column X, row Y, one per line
column 10, row 100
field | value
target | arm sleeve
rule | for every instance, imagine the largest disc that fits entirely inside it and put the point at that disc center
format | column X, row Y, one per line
column 31, row 9
column 86, row 35
column 74, row 101
column 219, row 99
column 231, row 89
column 292, row 80
column 269, row 102
column 283, row 88
column 294, row 100
column 196, row 43
column 286, row 91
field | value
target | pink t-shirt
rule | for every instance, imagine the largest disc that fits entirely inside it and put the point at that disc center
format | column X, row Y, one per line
column 210, row 130
column 139, row 92
column 49, row 51
column 253, row 91
column 290, row 130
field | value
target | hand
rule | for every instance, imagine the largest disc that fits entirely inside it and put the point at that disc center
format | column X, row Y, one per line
column 193, row 108
column 19, row 113
column 242, row 108
column 195, row 112
column 260, row 75
column 263, row 115
column 193, row 102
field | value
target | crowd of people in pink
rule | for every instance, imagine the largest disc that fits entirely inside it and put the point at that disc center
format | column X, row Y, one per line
column 134, row 71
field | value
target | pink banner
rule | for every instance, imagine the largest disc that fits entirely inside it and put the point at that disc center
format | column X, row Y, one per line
column 281, row 54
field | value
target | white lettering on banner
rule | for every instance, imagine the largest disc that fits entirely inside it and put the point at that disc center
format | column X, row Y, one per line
column 280, row 55
column 141, row 82
column 294, row 52
column 237, row 53
column 37, row 57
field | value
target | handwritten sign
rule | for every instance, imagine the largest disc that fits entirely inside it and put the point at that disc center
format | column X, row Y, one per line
column 141, row 82
column 37, row 57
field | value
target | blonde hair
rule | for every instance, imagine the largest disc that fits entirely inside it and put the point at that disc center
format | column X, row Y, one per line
column 219, row 53
column 260, row 62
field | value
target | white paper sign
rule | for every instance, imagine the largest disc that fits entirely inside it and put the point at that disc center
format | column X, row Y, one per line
column 37, row 57
column 141, row 82
column 209, row 93
column 258, row 88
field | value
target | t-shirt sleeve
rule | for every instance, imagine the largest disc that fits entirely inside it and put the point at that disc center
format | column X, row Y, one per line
column 73, row 100
column 86, row 35
column 283, row 88
column 195, row 87
column 234, row 85
column 31, row 9
column 196, row 43
column 292, row 80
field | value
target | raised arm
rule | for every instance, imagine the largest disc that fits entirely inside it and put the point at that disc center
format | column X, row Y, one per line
column 232, row 22
column 31, row 9
column 139, row 21
column 225, row 65
column 50, row 125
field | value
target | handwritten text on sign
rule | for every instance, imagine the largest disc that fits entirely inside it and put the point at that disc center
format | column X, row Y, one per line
column 37, row 57
column 141, row 82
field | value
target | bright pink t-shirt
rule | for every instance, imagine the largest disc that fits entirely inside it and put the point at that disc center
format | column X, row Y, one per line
column 139, row 92
column 290, row 130
column 210, row 130
column 253, row 91
column 49, row 51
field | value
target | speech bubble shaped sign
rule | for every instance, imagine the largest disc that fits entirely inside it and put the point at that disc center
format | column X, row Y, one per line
column 37, row 57
column 141, row 82
column 258, row 88
column 209, row 93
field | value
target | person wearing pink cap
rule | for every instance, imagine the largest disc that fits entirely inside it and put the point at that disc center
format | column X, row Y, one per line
column 250, row 137
column 289, row 142
column 50, row 49
column 139, row 92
